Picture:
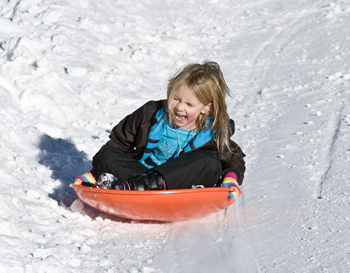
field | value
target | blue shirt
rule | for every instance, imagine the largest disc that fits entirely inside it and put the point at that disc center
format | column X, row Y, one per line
column 196, row 138
column 170, row 144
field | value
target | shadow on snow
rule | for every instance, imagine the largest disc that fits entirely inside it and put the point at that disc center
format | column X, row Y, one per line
column 66, row 162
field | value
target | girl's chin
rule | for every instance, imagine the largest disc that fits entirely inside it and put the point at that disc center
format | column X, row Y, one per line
column 185, row 126
column 179, row 124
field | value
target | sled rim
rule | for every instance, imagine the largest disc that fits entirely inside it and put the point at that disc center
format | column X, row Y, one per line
column 157, row 205
column 151, row 192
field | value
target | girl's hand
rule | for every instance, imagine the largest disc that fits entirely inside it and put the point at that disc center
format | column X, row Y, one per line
column 86, row 179
column 230, row 181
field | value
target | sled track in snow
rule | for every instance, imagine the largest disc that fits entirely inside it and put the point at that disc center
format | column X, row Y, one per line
column 334, row 129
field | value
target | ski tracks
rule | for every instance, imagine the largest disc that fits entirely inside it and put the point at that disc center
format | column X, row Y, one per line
column 272, row 126
column 333, row 130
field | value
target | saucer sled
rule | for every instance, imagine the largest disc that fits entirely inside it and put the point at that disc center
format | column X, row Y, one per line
column 157, row 205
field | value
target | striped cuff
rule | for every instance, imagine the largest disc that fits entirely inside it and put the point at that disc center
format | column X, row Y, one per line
column 85, row 178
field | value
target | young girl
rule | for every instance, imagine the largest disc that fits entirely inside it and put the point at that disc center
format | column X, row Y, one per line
column 178, row 143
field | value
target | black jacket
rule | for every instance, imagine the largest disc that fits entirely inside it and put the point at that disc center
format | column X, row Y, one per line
column 132, row 133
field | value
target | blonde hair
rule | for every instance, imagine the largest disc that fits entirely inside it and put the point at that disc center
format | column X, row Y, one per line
column 207, row 83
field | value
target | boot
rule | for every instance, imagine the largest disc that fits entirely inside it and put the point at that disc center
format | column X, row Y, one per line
column 148, row 181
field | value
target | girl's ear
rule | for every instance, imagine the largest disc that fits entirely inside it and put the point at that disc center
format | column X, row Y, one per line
column 207, row 108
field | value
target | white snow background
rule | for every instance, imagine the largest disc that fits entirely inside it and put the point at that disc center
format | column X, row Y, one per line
column 70, row 70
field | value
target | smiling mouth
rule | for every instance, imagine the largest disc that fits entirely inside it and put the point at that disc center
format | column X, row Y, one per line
column 179, row 117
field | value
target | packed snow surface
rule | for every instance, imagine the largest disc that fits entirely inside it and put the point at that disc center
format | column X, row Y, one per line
column 70, row 70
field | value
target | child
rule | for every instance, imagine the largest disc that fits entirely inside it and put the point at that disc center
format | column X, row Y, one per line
column 177, row 143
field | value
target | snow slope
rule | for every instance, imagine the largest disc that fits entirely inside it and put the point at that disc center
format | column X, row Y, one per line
column 70, row 70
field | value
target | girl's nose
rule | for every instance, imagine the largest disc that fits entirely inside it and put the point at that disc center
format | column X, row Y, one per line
column 180, row 106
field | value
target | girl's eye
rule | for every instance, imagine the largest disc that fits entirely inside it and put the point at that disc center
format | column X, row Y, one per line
column 189, row 104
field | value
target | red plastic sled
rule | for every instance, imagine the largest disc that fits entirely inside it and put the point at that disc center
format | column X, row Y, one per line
column 168, row 205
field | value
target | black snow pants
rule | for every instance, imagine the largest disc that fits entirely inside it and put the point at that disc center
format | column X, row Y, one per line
column 199, row 167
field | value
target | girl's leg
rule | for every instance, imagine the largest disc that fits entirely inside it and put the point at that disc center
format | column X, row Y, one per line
column 200, row 167
column 115, row 161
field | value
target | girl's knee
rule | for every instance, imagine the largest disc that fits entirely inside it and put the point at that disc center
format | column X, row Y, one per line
column 210, row 158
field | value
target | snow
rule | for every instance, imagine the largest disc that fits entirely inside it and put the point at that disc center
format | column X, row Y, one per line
column 70, row 70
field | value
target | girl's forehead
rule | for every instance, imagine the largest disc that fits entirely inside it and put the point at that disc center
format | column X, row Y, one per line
column 184, row 90
column 186, row 94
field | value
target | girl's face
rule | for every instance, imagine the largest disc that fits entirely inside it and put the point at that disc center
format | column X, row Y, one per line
column 187, row 108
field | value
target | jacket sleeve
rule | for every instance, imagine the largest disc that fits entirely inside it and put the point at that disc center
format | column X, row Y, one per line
column 130, row 130
column 232, row 161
